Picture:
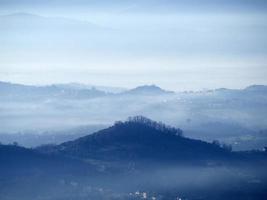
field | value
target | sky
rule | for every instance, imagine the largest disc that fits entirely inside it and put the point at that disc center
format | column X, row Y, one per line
column 178, row 45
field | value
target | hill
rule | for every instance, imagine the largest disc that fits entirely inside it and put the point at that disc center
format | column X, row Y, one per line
column 256, row 88
column 141, row 140
column 147, row 90
column 22, row 161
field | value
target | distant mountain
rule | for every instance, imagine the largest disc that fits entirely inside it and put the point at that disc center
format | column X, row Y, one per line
column 256, row 88
column 71, row 90
column 147, row 90
column 79, row 86
column 251, row 88
column 140, row 139
column 19, row 91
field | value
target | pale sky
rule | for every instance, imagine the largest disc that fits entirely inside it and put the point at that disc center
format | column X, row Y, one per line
column 178, row 45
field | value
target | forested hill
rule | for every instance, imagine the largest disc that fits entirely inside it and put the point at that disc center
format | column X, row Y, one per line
column 141, row 139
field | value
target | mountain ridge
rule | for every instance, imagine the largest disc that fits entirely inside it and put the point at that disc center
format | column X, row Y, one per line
column 20, row 90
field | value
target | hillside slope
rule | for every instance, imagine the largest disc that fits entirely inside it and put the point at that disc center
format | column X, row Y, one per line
column 140, row 139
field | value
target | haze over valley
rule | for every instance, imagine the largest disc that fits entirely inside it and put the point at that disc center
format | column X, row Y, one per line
column 236, row 117
column 133, row 100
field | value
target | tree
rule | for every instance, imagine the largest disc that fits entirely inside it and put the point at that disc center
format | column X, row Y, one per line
column 15, row 144
column 227, row 147
column 216, row 143
column 117, row 123
column 157, row 125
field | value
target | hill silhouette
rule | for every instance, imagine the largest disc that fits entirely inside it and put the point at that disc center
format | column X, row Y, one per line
column 23, row 161
column 147, row 90
column 141, row 139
